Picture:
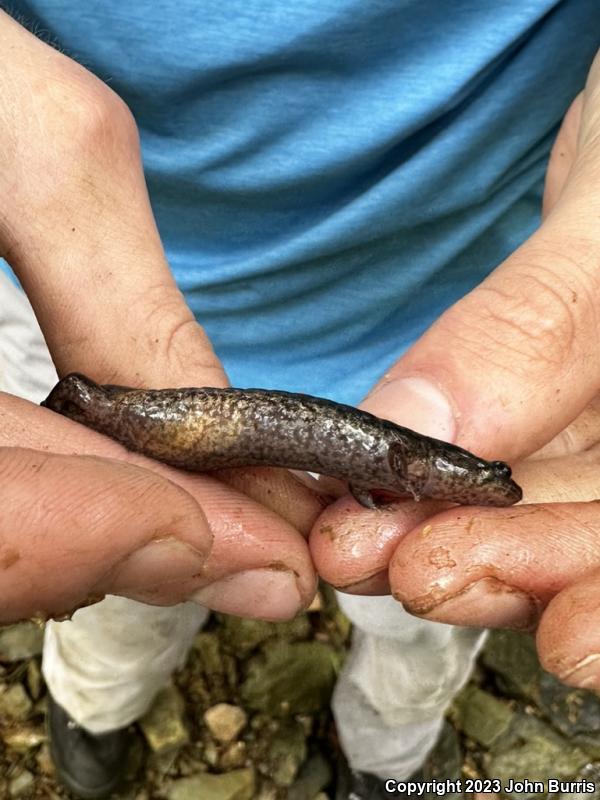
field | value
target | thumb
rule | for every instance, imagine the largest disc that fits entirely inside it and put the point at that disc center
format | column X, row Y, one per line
column 514, row 362
column 74, row 528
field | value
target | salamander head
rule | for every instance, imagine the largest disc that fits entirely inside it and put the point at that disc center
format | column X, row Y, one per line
column 445, row 472
column 78, row 398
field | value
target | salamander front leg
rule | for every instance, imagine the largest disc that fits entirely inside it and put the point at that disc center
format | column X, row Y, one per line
column 363, row 495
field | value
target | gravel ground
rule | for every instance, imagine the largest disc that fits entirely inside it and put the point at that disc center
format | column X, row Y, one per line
column 248, row 719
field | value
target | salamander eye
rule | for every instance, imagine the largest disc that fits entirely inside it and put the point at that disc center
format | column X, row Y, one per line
column 501, row 469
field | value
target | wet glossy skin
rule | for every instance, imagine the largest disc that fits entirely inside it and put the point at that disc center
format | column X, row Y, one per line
column 209, row 429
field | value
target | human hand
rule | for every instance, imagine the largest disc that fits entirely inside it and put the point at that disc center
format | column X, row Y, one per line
column 77, row 227
column 503, row 373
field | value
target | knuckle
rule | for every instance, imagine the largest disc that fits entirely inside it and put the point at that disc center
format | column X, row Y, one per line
column 175, row 340
column 97, row 121
column 539, row 324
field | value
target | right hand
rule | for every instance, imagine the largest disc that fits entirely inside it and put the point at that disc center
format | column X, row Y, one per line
column 80, row 516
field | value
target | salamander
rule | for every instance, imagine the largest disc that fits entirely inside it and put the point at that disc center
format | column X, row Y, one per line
column 205, row 429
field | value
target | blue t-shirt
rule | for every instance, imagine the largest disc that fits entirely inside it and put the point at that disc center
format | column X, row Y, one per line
column 329, row 175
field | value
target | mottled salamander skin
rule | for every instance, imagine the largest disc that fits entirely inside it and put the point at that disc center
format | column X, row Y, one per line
column 209, row 429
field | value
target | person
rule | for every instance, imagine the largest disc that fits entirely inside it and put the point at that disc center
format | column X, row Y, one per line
column 327, row 180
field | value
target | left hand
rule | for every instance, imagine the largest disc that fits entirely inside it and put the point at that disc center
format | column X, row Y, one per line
column 510, row 368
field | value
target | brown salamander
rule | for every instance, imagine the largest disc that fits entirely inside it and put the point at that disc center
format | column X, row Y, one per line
column 209, row 429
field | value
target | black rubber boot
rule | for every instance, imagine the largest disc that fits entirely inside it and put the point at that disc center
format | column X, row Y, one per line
column 91, row 766
column 354, row 785
column 361, row 786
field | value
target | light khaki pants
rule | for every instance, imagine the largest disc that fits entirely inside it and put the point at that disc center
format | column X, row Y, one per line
column 105, row 665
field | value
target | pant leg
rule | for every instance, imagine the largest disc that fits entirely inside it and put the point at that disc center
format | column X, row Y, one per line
column 106, row 664
column 26, row 368
column 401, row 674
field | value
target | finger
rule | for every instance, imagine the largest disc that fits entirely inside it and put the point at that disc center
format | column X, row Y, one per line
column 563, row 479
column 495, row 567
column 74, row 528
column 259, row 565
column 568, row 637
column 78, row 228
column 582, row 434
column 282, row 491
column 562, row 156
column 351, row 546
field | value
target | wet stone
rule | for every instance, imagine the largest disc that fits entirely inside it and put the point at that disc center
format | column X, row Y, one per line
column 163, row 725
column 225, row 722
column 287, row 679
column 236, row 785
column 23, row 640
column 15, row 703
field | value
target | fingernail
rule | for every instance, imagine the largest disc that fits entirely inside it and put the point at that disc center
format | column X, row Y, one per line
column 261, row 593
column 414, row 403
column 488, row 603
column 158, row 562
column 585, row 674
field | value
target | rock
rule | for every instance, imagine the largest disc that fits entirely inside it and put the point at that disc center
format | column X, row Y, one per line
column 480, row 715
column 24, row 738
column 286, row 753
column 15, row 703
column 44, row 760
column 21, row 784
column 574, row 712
column 34, row 679
column 444, row 762
column 218, row 668
column 513, row 658
column 316, row 603
column 234, row 756
column 531, row 750
column 210, row 754
column 268, row 792
column 236, row 785
column 209, row 648
column 225, row 722
column 163, row 725
column 242, row 636
column 291, row 678
column 314, row 776
column 23, row 640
